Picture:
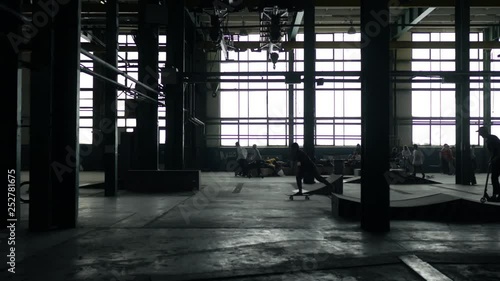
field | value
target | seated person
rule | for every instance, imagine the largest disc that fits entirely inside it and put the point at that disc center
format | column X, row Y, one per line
column 242, row 169
column 256, row 161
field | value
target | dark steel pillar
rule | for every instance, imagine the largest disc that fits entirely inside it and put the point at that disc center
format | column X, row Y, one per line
column 42, row 171
column 65, row 114
column 487, row 84
column 11, row 85
column 108, row 125
column 147, row 111
column 375, row 102
column 98, row 99
column 174, row 148
column 201, row 98
column 291, row 112
column 55, row 153
column 309, row 83
column 462, row 96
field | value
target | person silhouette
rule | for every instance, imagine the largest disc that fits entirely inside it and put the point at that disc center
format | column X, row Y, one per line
column 305, row 165
column 241, row 158
column 418, row 161
column 492, row 143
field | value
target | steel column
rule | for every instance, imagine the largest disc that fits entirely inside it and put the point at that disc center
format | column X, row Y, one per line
column 108, row 125
column 375, row 115
column 65, row 114
column 487, row 90
column 488, row 35
column 174, row 149
column 98, row 99
column 147, row 111
column 55, row 153
column 309, row 83
column 291, row 111
column 462, row 96
column 42, row 170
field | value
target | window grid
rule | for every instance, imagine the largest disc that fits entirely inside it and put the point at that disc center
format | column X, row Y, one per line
column 433, row 104
column 128, row 63
column 338, row 104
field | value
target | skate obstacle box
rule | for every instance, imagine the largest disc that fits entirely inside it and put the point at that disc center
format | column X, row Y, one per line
column 162, row 180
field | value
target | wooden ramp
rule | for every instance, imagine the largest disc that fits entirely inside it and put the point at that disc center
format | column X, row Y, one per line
column 436, row 207
column 321, row 189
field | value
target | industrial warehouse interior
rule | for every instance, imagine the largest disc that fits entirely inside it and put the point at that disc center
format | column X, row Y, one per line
column 347, row 140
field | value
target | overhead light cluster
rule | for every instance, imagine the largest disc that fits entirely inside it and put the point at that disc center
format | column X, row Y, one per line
column 103, row 2
column 272, row 20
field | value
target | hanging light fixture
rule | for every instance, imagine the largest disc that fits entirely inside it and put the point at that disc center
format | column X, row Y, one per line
column 243, row 31
column 351, row 29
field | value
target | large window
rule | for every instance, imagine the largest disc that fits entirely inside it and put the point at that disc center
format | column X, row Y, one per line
column 253, row 112
column 86, row 102
column 495, row 93
column 433, row 98
column 128, row 63
column 257, row 112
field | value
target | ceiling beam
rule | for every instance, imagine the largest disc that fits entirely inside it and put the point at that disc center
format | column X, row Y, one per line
column 297, row 21
column 133, row 7
column 255, row 45
column 251, row 4
column 406, row 3
column 409, row 19
column 355, row 45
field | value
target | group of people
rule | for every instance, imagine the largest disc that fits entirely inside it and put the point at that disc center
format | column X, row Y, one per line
column 354, row 159
column 247, row 162
column 304, row 164
column 253, row 161
column 410, row 161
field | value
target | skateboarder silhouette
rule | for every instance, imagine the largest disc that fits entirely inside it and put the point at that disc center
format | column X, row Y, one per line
column 305, row 165
column 492, row 143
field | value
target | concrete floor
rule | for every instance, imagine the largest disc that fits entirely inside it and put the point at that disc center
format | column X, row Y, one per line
column 243, row 229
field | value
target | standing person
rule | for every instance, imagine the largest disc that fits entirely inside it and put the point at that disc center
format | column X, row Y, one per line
column 305, row 165
column 473, row 165
column 357, row 150
column 241, row 158
column 406, row 155
column 256, row 161
column 418, row 161
column 447, row 160
column 394, row 154
column 453, row 157
column 492, row 143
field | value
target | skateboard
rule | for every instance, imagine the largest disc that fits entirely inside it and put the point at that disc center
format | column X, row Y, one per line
column 304, row 193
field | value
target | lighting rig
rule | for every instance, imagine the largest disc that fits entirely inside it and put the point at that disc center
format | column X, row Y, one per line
column 219, row 31
column 272, row 20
